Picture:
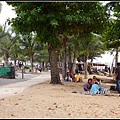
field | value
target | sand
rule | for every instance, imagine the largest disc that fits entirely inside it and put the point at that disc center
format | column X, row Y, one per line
column 49, row 101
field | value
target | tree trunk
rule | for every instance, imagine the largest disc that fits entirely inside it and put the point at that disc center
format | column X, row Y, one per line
column 74, row 63
column 111, row 70
column 86, row 57
column 64, row 70
column 70, row 62
column 46, row 66
column 6, row 56
column 15, row 64
column 63, row 65
column 31, row 61
column 43, row 67
column 116, row 57
column 55, row 77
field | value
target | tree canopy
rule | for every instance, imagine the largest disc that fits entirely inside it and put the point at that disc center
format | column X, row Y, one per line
column 52, row 18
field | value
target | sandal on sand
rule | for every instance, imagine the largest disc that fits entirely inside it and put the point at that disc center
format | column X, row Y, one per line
column 109, row 95
column 74, row 92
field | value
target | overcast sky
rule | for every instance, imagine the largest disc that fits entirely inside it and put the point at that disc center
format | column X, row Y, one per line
column 7, row 12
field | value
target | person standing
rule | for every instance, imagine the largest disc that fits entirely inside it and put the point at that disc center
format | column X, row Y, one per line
column 117, row 76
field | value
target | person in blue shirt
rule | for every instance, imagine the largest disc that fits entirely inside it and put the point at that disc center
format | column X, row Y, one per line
column 96, row 89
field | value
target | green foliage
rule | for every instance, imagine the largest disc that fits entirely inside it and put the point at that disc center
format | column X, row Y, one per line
column 7, row 38
column 89, row 44
column 54, row 23
column 26, row 67
column 112, row 33
column 0, row 7
column 49, row 19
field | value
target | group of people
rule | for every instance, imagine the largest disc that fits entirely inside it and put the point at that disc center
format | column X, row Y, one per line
column 92, row 85
column 73, row 77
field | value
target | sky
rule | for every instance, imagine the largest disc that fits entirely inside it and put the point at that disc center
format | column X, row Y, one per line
column 7, row 12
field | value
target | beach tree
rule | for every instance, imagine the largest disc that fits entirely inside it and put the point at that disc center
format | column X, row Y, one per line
column 35, row 17
column 112, row 42
column 49, row 20
column 42, row 57
column 14, row 50
column 89, row 23
column 29, row 40
column 6, row 43
column 112, row 32
column 98, row 47
column 92, row 45
column 7, row 39
column 74, row 48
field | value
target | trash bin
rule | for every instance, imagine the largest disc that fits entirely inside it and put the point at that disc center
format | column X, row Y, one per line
column 4, row 71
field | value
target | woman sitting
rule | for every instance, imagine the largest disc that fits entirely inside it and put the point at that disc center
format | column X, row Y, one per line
column 78, row 78
column 88, row 85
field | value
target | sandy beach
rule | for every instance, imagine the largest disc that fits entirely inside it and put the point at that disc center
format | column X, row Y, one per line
column 45, row 100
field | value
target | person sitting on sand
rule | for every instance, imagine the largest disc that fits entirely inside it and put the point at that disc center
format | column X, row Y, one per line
column 96, row 89
column 88, row 85
column 94, row 79
column 73, row 78
column 78, row 78
column 69, row 75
